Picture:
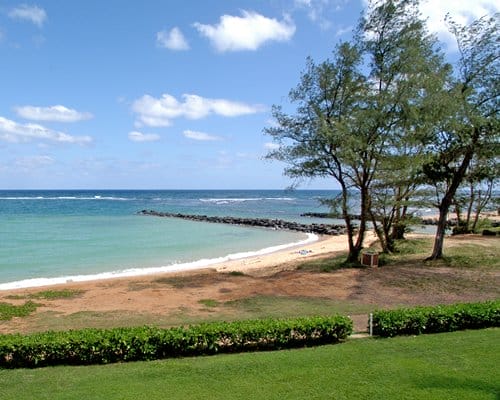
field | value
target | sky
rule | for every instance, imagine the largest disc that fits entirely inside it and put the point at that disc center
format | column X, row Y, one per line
column 156, row 94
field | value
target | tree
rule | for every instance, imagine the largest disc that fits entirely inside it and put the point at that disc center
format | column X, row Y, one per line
column 317, row 140
column 476, row 191
column 473, row 124
column 355, row 112
column 408, row 71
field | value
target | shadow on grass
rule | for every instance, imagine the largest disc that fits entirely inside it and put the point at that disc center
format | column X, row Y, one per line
column 328, row 264
column 451, row 383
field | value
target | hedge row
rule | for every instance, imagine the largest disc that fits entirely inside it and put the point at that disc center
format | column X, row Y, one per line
column 444, row 318
column 99, row 346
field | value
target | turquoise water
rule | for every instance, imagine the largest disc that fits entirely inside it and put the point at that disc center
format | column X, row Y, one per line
column 66, row 234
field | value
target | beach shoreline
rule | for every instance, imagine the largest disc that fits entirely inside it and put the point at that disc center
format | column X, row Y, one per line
column 200, row 264
column 144, row 298
column 265, row 285
column 260, row 263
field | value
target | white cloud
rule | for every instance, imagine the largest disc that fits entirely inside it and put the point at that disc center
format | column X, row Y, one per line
column 343, row 30
column 303, row 3
column 271, row 146
column 56, row 113
column 200, row 136
column 159, row 112
column 33, row 14
column 136, row 136
column 463, row 12
column 13, row 132
column 173, row 40
column 248, row 32
column 319, row 11
column 33, row 162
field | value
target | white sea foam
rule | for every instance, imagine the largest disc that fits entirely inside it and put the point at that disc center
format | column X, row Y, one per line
column 199, row 264
column 67, row 198
column 244, row 199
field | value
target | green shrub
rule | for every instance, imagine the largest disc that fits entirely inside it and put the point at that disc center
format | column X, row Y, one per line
column 99, row 346
column 444, row 318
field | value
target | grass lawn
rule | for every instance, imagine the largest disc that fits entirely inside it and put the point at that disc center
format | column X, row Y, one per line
column 459, row 365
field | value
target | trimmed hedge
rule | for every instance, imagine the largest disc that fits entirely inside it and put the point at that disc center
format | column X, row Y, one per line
column 443, row 318
column 100, row 346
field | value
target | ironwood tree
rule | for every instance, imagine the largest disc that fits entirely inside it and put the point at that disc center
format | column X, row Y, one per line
column 472, row 126
column 359, row 112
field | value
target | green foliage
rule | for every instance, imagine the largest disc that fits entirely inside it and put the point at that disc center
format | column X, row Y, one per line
column 324, row 264
column 484, row 223
column 413, row 246
column 236, row 273
column 470, row 256
column 49, row 294
column 9, row 311
column 95, row 346
column 459, row 365
column 209, row 302
column 56, row 294
column 445, row 318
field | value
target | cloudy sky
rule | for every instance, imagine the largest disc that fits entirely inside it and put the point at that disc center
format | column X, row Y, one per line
column 162, row 94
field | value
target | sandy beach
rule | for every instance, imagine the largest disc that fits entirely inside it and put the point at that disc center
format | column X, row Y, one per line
column 123, row 294
column 182, row 297
column 257, row 265
column 288, row 258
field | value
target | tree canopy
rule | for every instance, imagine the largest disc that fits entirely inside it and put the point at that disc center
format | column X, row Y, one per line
column 386, row 115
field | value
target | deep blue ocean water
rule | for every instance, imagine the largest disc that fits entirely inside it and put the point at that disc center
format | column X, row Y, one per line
column 46, row 236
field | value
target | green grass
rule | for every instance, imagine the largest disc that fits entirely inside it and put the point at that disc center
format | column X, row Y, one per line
column 49, row 295
column 474, row 256
column 484, row 254
column 293, row 306
column 57, row 294
column 324, row 264
column 209, row 302
column 416, row 250
column 245, row 308
column 236, row 273
column 185, row 281
column 414, row 246
column 459, row 365
column 9, row 311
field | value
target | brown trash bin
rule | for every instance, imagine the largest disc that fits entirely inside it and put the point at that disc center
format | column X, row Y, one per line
column 369, row 258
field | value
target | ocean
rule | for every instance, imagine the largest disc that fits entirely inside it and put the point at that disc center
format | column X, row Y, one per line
column 57, row 236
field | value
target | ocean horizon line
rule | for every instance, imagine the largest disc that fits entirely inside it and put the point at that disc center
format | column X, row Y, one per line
column 160, row 189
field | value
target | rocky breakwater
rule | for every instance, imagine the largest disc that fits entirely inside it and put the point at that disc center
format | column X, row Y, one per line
column 320, row 229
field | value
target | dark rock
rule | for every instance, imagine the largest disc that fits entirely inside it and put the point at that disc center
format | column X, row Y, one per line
column 278, row 224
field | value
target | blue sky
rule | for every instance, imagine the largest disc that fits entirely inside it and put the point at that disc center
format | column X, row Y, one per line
column 158, row 94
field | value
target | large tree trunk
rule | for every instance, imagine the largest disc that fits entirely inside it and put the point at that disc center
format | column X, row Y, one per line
column 437, row 252
column 364, row 214
column 458, row 176
column 353, row 255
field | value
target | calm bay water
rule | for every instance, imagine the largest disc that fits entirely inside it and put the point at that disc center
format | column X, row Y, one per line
column 53, row 236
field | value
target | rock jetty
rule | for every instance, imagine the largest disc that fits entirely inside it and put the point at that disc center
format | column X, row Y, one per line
column 329, row 215
column 320, row 229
